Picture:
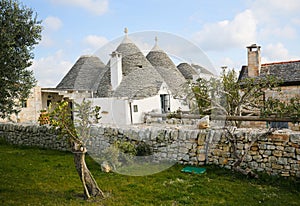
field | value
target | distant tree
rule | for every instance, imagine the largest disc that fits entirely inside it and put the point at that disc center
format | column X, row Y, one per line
column 19, row 32
column 228, row 96
column 77, row 132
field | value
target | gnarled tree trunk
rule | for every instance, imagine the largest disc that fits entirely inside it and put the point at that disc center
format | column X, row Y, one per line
column 90, row 186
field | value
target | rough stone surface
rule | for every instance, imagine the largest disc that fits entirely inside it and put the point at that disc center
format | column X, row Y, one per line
column 277, row 155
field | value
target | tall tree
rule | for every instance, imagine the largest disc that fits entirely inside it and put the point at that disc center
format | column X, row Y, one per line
column 19, row 32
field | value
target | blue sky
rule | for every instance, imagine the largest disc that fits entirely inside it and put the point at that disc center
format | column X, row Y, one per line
column 221, row 28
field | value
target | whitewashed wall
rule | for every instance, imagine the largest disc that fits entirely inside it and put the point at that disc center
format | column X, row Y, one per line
column 113, row 110
column 144, row 106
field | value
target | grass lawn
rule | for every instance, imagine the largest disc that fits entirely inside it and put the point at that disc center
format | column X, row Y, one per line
column 31, row 176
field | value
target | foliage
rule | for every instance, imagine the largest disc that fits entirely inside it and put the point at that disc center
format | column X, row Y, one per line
column 31, row 176
column 176, row 114
column 118, row 153
column 126, row 147
column 275, row 108
column 143, row 149
column 78, row 130
column 228, row 96
column 19, row 32
column 97, row 114
column 61, row 117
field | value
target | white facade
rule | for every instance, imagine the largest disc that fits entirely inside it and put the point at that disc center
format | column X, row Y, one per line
column 124, row 111
column 113, row 110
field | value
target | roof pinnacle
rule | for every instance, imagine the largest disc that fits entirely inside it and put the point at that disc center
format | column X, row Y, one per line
column 126, row 39
column 156, row 47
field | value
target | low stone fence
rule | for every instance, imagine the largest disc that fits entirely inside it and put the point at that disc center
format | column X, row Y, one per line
column 33, row 135
column 278, row 153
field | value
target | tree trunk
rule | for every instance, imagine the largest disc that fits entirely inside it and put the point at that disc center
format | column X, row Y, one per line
column 90, row 186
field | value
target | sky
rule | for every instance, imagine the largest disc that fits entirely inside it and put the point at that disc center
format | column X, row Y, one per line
column 222, row 29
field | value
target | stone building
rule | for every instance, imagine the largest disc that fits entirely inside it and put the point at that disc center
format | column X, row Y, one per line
column 129, row 85
column 288, row 72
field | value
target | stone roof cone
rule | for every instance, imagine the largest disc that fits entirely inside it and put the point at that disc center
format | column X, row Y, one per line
column 140, row 78
column 83, row 74
column 166, row 68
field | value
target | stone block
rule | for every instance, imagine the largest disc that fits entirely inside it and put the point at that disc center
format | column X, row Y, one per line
column 295, row 138
column 257, row 158
column 253, row 165
column 285, row 174
column 287, row 154
column 280, row 148
column 290, row 149
column 282, row 161
column 277, row 167
column 268, row 152
column 186, row 158
column 277, row 153
column 254, row 148
column 279, row 137
column 271, row 147
column 262, row 146
column 201, row 157
column 272, row 159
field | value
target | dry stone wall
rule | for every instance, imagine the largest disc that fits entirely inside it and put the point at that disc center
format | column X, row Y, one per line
column 33, row 135
column 278, row 153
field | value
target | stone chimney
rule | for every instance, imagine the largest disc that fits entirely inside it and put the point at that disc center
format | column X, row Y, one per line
column 115, row 69
column 254, row 60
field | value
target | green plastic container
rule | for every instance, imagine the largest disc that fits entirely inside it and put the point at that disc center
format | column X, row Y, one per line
column 194, row 170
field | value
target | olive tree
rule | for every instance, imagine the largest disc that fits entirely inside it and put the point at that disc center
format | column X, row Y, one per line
column 77, row 133
column 19, row 32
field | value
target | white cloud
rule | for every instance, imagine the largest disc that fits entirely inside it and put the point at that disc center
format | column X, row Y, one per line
column 52, row 23
column 285, row 32
column 94, row 42
column 276, row 18
column 97, row 7
column 51, row 69
column 276, row 6
column 296, row 21
column 239, row 32
column 46, row 41
column 275, row 52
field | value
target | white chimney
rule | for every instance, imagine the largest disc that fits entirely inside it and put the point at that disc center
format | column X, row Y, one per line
column 115, row 69
column 254, row 60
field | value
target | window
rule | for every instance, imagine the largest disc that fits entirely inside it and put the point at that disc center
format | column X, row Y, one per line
column 135, row 108
column 48, row 102
column 24, row 103
column 165, row 103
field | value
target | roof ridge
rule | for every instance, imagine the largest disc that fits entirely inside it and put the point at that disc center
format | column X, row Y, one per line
column 283, row 62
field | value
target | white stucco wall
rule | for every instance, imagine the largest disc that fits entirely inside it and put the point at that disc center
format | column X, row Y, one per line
column 113, row 110
column 144, row 106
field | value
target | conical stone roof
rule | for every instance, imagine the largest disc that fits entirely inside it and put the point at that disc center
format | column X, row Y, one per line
column 140, row 79
column 83, row 75
column 132, row 57
column 187, row 70
column 167, row 69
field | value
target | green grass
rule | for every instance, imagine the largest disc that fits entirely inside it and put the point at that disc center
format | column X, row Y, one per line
column 32, row 176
